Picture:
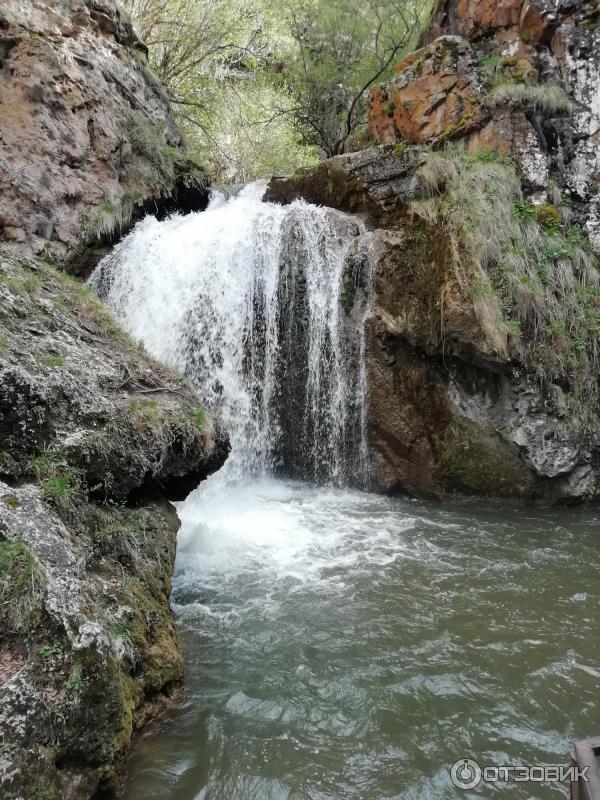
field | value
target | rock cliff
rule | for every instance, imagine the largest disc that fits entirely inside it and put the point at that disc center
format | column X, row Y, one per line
column 94, row 435
column 87, row 140
column 521, row 78
column 483, row 203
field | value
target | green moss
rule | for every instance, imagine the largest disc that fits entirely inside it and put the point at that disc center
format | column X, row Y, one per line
column 12, row 502
column 33, row 775
column 549, row 217
column 475, row 461
column 458, row 127
column 97, row 729
column 52, row 361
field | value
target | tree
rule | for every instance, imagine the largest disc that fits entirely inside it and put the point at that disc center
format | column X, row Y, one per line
column 342, row 48
column 197, row 47
column 259, row 87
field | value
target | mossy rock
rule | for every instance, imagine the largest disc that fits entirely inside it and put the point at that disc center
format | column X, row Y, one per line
column 34, row 776
column 475, row 461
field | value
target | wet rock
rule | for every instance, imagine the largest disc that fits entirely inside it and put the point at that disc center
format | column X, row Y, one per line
column 453, row 405
column 376, row 181
column 93, row 433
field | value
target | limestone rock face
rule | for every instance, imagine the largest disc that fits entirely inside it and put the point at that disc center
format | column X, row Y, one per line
column 86, row 133
column 517, row 77
column 93, row 433
column 452, row 404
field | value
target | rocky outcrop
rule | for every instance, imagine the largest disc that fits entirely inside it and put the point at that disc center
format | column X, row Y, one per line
column 520, row 77
column 483, row 203
column 87, row 140
column 465, row 390
column 436, row 95
column 93, row 434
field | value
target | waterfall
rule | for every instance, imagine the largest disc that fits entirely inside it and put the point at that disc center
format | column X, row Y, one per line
column 263, row 307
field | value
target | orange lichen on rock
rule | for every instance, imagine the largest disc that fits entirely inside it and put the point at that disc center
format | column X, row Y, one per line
column 434, row 97
column 488, row 15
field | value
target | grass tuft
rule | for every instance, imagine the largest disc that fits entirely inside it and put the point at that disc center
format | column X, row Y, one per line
column 21, row 585
column 63, row 486
column 52, row 361
column 199, row 417
column 529, row 273
column 545, row 97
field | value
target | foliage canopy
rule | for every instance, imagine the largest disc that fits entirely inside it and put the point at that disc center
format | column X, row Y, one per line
column 259, row 87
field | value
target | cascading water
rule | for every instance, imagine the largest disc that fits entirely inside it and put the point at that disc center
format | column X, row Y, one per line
column 339, row 645
column 263, row 307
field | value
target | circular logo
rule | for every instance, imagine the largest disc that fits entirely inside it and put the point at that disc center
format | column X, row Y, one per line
column 465, row 774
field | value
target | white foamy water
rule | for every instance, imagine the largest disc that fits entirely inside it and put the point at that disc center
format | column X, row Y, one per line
column 339, row 645
column 283, row 534
column 263, row 307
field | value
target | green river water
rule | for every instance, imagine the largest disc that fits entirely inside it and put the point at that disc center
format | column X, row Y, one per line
column 347, row 646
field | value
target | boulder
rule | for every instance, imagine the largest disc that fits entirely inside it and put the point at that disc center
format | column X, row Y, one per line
column 94, row 435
